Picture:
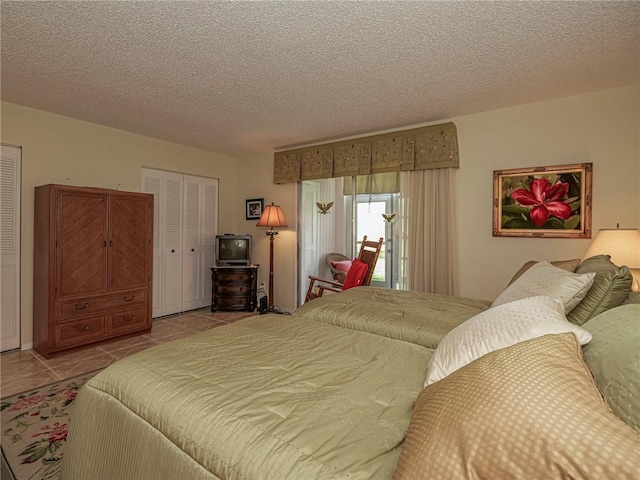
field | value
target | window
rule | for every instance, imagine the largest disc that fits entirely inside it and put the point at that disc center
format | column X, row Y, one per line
column 352, row 217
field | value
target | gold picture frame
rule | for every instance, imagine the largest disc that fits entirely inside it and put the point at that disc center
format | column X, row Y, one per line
column 552, row 201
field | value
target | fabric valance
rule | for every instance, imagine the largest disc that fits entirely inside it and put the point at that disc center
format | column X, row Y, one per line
column 435, row 146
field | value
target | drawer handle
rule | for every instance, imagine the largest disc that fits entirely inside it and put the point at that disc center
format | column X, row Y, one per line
column 129, row 318
column 82, row 328
column 80, row 306
column 129, row 299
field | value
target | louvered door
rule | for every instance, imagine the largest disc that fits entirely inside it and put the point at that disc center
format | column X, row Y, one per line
column 191, row 264
column 10, row 248
column 130, row 223
column 81, row 243
column 185, row 226
column 151, row 183
column 200, row 229
column 171, row 295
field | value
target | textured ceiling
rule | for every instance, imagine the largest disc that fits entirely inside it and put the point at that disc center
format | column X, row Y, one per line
column 238, row 78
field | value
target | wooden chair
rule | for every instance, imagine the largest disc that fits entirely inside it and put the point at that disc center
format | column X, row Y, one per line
column 369, row 253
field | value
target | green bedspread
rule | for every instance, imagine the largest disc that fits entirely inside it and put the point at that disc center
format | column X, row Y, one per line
column 415, row 317
column 269, row 397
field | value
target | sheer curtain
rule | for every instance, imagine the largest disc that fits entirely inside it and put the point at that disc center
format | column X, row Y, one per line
column 428, row 240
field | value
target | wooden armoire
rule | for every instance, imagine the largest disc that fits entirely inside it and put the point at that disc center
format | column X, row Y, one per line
column 93, row 256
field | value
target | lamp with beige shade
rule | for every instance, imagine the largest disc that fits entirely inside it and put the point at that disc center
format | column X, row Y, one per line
column 623, row 246
column 272, row 218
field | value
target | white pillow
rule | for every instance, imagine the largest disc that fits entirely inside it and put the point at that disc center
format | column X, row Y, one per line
column 546, row 279
column 500, row 327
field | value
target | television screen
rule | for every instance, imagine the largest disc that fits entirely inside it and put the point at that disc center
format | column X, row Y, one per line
column 233, row 249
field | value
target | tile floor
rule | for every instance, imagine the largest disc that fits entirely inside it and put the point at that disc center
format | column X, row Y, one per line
column 22, row 370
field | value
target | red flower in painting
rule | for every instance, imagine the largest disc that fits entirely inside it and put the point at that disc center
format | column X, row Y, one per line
column 544, row 198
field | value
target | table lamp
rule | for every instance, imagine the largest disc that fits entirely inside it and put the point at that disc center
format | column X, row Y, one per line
column 622, row 245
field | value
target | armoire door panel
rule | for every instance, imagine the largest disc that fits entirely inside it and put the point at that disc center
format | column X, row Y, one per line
column 81, row 243
column 129, row 242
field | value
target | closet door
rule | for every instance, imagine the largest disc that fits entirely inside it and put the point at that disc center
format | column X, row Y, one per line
column 171, row 197
column 191, row 259
column 185, row 226
column 151, row 183
column 200, row 229
column 10, row 248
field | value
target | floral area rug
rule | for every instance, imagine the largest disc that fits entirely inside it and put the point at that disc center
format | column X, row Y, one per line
column 34, row 428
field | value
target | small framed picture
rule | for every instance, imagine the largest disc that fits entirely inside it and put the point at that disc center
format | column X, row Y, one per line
column 254, row 208
column 553, row 201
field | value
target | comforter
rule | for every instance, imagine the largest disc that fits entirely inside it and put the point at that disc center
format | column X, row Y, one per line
column 269, row 397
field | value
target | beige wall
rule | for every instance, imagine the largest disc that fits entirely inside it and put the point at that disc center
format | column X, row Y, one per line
column 55, row 148
column 255, row 176
column 601, row 128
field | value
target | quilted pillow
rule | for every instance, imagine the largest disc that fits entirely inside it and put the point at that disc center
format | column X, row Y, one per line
column 568, row 265
column 611, row 286
column 355, row 275
column 545, row 279
column 527, row 411
column 499, row 327
column 614, row 359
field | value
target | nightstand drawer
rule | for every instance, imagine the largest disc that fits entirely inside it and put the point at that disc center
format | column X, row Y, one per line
column 232, row 303
column 233, row 277
column 232, row 289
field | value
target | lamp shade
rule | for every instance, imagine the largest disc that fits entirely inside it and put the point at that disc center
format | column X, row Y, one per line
column 272, row 217
column 621, row 244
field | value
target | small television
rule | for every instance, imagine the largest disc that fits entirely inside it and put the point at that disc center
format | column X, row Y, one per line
column 233, row 250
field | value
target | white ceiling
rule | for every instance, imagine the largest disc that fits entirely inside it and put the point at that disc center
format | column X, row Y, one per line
column 244, row 77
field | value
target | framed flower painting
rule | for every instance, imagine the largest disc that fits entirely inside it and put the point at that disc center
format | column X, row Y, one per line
column 553, row 201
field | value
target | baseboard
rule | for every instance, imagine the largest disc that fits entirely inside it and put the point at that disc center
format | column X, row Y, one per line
column 27, row 346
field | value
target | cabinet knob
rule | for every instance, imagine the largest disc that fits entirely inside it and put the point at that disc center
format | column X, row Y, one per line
column 193, row 249
column 80, row 306
column 81, row 328
column 129, row 318
column 129, row 299
column 173, row 251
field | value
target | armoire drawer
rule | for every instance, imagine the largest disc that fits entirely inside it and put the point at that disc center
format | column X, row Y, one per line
column 89, row 305
column 79, row 331
column 135, row 319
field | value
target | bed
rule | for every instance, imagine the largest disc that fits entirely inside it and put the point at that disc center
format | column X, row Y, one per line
column 326, row 393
